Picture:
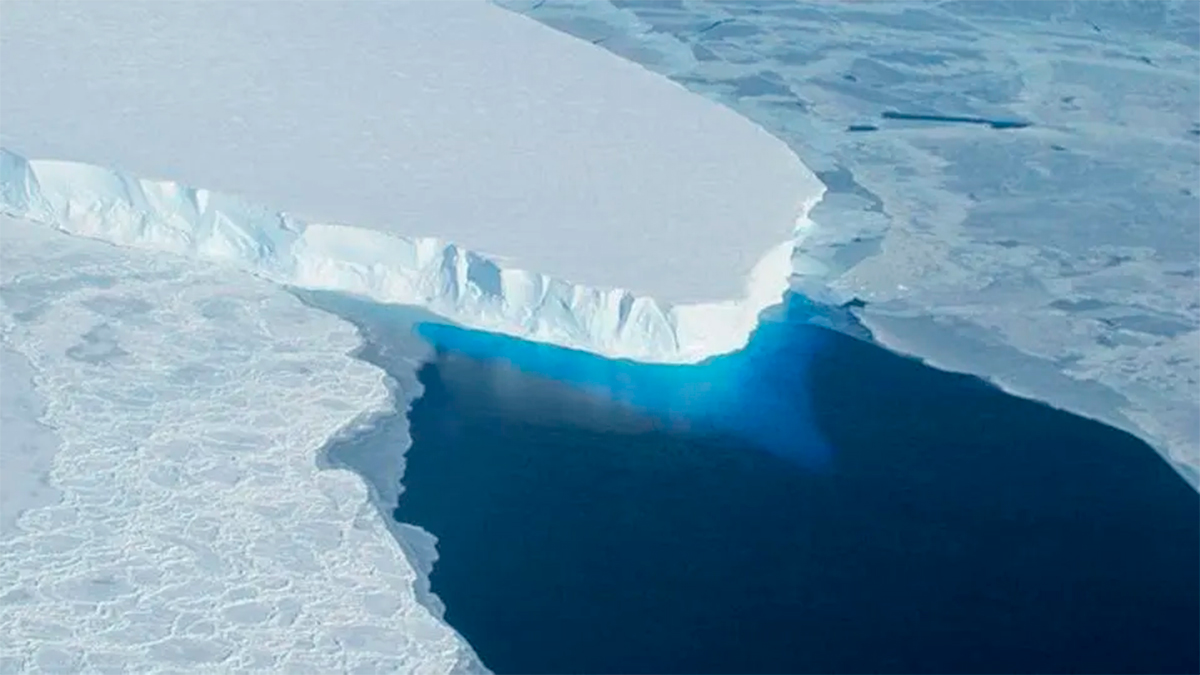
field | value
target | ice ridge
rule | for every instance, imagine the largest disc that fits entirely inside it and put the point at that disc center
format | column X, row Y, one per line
column 457, row 284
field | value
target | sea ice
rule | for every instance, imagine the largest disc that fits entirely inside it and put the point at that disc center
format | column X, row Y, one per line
column 26, row 446
column 194, row 530
column 1012, row 186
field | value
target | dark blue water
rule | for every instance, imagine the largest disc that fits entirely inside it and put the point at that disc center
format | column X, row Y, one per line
column 813, row 504
column 955, row 119
column 728, row 395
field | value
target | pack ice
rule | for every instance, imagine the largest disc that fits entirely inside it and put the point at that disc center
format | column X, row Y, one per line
column 1012, row 186
column 166, row 511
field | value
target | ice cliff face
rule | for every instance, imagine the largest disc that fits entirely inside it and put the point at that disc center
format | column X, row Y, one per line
column 459, row 285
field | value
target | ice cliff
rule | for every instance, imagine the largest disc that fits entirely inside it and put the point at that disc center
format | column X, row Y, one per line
column 460, row 285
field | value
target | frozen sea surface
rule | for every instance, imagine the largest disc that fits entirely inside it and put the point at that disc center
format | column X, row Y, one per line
column 26, row 446
column 1012, row 186
column 193, row 530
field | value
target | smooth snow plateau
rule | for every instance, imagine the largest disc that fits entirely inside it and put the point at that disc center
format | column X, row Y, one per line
column 459, row 121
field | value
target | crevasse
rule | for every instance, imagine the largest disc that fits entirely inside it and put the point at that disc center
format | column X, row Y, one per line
column 459, row 285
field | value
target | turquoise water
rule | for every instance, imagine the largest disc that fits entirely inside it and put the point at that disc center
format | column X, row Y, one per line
column 724, row 395
column 814, row 504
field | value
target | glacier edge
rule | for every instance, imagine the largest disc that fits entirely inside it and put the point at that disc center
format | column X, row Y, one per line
column 450, row 281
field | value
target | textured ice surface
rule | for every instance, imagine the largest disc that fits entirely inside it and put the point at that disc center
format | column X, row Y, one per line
column 1012, row 186
column 456, row 120
column 26, row 446
column 195, row 531
column 470, row 289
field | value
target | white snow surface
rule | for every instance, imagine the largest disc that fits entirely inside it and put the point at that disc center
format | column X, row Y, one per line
column 193, row 530
column 27, row 447
column 428, row 272
column 459, row 121
column 1060, row 261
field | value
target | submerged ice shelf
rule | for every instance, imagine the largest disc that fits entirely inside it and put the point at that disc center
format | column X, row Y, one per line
column 196, row 461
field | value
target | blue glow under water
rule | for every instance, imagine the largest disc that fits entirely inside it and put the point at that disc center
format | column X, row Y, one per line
column 814, row 504
column 746, row 394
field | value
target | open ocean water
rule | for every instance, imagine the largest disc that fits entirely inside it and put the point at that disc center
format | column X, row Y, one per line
column 811, row 504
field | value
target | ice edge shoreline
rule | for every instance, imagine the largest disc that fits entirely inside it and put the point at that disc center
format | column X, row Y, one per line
column 417, row 545
column 448, row 280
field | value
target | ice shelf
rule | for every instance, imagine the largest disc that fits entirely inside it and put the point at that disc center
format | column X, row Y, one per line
column 457, row 121
column 462, row 286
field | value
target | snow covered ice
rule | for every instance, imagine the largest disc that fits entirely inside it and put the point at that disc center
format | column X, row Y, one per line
column 504, row 175
column 27, row 447
column 1012, row 186
column 188, row 525
column 459, row 121
column 193, row 530
column 429, row 272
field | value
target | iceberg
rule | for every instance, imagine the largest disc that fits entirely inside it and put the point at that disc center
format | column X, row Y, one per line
column 465, row 287
column 498, row 170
